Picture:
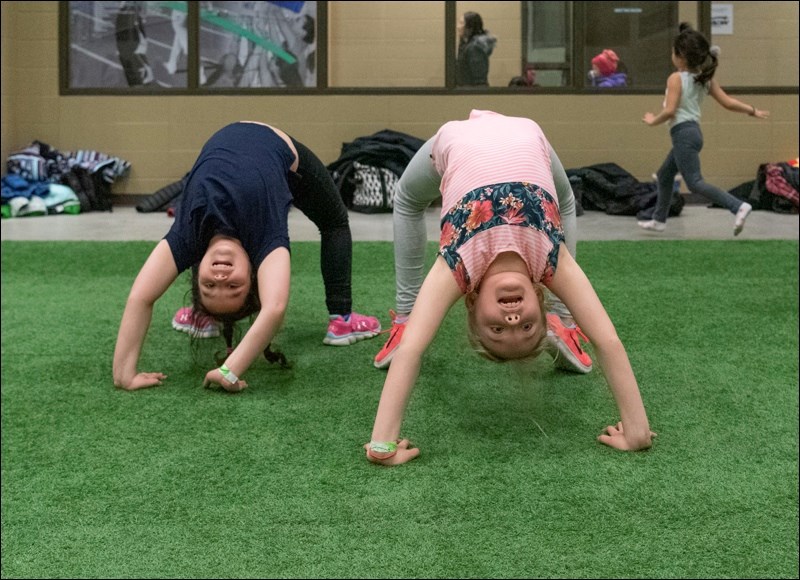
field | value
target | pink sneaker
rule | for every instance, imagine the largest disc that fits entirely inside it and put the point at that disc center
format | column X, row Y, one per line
column 342, row 332
column 198, row 326
column 565, row 347
column 384, row 358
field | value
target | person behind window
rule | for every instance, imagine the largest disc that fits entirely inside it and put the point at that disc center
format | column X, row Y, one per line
column 180, row 40
column 606, row 70
column 131, row 40
column 474, row 49
column 225, row 73
column 299, row 39
column 528, row 79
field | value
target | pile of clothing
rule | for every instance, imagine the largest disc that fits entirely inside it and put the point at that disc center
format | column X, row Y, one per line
column 387, row 151
column 609, row 188
column 41, row 180
column 775, row 188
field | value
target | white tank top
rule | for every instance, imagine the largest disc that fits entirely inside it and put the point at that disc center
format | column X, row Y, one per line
column 691, row 100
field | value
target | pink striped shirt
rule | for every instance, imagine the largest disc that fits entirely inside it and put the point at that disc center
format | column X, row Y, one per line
column 490, row 149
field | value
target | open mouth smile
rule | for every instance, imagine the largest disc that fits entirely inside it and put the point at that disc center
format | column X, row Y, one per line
column 510, row 301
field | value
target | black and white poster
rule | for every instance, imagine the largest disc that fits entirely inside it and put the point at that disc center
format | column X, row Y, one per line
column 117, row 45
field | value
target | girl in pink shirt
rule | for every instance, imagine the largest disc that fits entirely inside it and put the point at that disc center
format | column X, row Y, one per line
column 503, row 249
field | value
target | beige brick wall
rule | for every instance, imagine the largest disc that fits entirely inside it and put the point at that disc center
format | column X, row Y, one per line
column 161, row 136
column 764, row 46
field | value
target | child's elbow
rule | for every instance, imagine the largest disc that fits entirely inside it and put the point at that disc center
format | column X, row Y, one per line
column 275, row 310
column 609, row 342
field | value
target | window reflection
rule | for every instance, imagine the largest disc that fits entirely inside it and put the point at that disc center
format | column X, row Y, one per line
column 475, row 47
column 548, row 35
column 127, row 45
column 258, row 44
column 622, row 43
column 630, row 41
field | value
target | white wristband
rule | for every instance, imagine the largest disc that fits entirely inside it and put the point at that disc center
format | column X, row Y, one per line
column 228, row 375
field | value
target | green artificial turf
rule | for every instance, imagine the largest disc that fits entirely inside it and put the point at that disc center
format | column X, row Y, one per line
column 181, row 481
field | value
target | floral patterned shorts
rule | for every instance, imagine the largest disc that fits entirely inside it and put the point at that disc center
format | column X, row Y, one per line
column 502, row 204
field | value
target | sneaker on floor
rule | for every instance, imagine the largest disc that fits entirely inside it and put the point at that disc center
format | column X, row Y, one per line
column 384, row 357
column 565, row 347
column 741, row 215
column 342, row 332
column 653, row 226
column 198, row 326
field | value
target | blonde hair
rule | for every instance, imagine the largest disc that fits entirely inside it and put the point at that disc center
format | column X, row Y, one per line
column 474, row 337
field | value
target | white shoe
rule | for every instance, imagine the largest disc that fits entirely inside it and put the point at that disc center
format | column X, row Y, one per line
column 653, row 226
column 741, row 215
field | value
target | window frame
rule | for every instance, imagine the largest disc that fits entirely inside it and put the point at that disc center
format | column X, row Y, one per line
column 576, row 86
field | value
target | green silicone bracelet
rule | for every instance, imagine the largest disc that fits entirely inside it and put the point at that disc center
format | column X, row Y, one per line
column 228, row 375
column 383, row 446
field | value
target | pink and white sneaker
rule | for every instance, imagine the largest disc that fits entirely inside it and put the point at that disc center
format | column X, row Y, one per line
column 564, row 345
column 384, row 358
column 196, row 325
column 344, row 331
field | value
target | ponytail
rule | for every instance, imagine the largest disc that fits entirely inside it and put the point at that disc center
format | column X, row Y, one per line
column 271, row 356
column 251, row 306
column 693, row 47
column 707, row 69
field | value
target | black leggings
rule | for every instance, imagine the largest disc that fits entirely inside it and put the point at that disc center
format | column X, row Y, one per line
column 316, row 195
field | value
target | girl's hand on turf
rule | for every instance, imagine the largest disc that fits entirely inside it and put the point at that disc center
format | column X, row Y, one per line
column 215, row 378
column 402, row 455
column 614, row 436
column 142, row 381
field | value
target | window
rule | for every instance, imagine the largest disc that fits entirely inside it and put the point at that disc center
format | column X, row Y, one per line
column 638, row 34
column 115, row 45
column 630, row 42
column 548, row 37
column 407, row 46
column 148, row 46
column 258, row 44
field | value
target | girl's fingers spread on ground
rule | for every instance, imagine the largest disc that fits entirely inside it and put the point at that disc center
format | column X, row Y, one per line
column 402, row 457
column 610, row 441
column 412, row 454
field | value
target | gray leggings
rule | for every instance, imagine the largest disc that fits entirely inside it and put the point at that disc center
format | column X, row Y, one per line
column 687, row 142
column 417, row 189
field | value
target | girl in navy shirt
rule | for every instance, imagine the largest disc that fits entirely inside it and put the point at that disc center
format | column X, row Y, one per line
column 231, row 228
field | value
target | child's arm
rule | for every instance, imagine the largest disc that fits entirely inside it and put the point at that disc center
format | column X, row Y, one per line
column 671, row 100
column 438, row 294
column 732, row 104
column 573, row 287
column 158, row 272
column 273, row 291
